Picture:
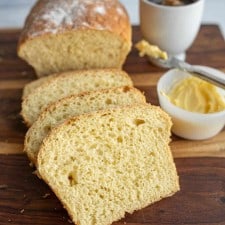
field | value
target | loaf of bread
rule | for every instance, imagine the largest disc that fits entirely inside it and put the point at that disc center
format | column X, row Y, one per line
column 104, row 164
column 75, row 105
column 68, row 83
column 64, row 35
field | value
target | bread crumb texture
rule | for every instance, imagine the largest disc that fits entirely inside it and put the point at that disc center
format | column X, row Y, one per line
column 105, row 164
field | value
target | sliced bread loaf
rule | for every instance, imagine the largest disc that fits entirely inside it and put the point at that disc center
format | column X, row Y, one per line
column 68, row 83
column 104, row 164
column 75, row 105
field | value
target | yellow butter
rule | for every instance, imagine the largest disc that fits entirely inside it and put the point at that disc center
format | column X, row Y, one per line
column 145, row 48
column 196, row 95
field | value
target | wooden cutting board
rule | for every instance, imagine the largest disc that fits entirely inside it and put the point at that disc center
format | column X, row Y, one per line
column 24, row 199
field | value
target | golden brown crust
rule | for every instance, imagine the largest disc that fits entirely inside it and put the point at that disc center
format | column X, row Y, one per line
column 59, row 16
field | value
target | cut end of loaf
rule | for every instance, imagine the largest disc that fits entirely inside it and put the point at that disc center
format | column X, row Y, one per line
column 64, row 35
column 105, row 164
column 81, row 49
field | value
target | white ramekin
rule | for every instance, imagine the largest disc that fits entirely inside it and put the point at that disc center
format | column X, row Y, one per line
column 186, row 124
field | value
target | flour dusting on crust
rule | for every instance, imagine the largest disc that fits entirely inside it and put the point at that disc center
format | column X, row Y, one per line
column 58, row 16
column 100, row 9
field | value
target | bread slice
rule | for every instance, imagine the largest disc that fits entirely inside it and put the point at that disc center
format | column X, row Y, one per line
column 69, row 83
column 75, row 105
column 104, row 164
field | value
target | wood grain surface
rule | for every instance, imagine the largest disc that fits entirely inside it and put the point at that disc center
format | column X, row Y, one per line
column 24, row 199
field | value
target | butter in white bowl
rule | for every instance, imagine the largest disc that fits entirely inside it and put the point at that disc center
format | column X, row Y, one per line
column 197, row 108
column 196, row 95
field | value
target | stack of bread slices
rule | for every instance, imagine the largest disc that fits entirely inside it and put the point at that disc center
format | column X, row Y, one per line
column 93, row 138
column 96, row 142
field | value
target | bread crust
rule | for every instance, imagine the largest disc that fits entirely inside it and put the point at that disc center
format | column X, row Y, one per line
column 59, row 16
